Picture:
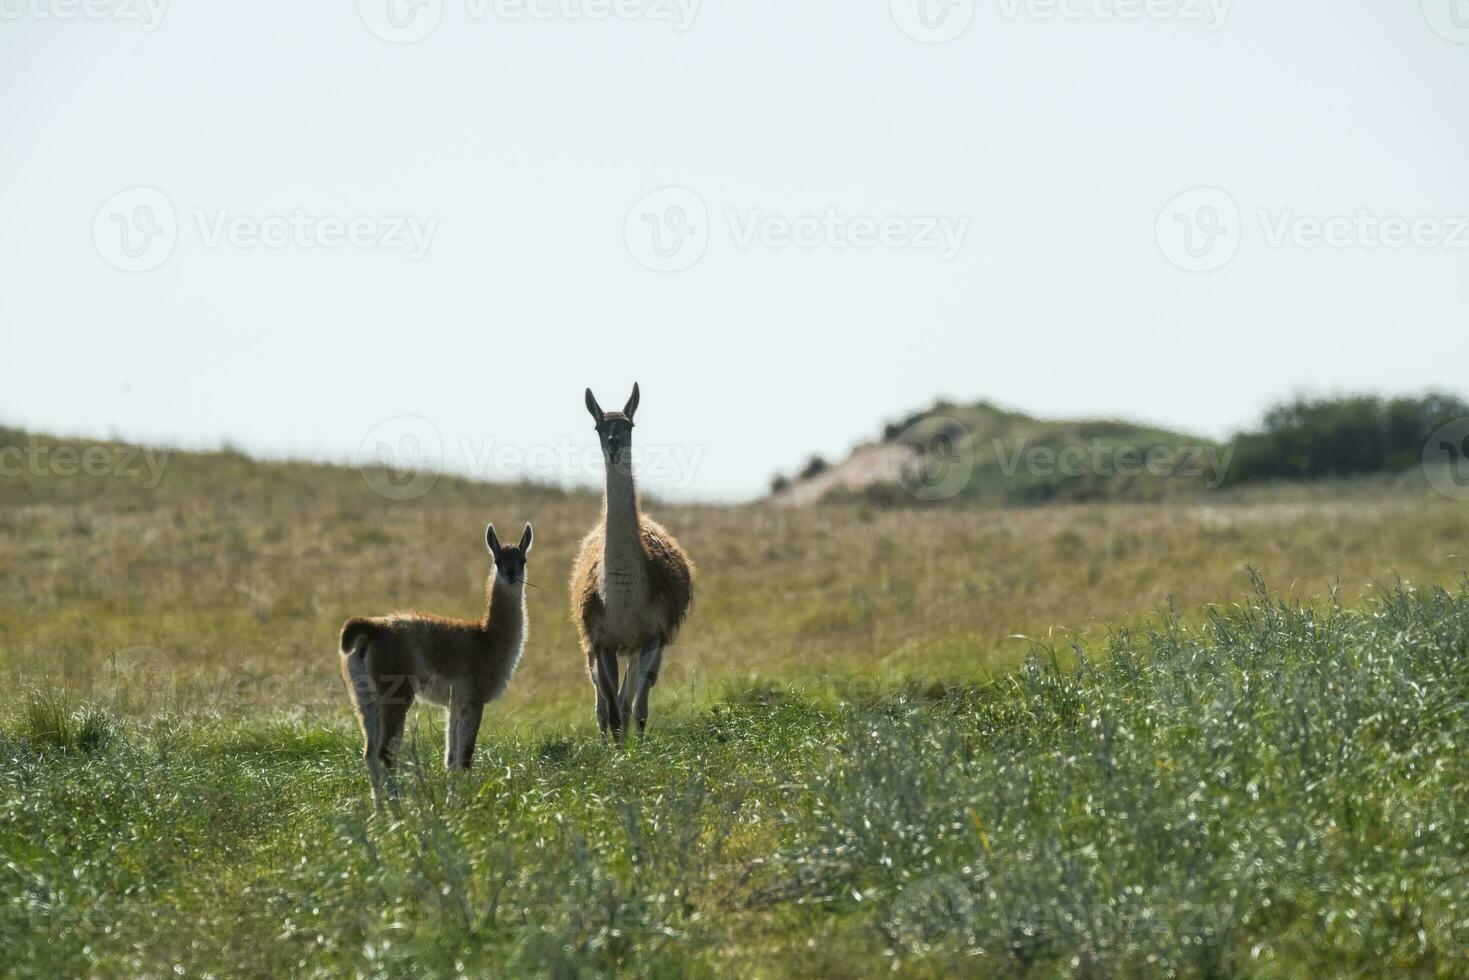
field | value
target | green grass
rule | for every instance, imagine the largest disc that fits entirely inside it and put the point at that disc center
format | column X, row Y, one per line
column 1279, row 789
column 223, row 588
column 836, row 783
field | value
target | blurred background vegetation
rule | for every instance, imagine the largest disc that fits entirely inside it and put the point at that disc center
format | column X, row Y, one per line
column 1315, row 438
column 1015, row 457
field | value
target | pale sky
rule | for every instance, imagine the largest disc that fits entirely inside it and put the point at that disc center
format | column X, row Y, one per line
column 865, row 222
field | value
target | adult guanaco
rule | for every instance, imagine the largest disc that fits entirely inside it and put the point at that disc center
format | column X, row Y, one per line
column 631, row 586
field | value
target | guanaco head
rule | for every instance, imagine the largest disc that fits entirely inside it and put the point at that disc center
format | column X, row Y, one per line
column 614, row 428
column 509, row 562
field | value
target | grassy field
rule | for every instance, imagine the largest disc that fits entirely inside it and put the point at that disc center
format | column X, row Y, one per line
column 227, row 583
column 845, row 774
column 1280, row 792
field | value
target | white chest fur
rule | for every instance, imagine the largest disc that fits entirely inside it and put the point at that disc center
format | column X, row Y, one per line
column 625, row 598
column 624, row 585
column 625, row 595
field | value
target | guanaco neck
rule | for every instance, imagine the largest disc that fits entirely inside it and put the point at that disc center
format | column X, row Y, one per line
column 504, row 610
column 622, row 546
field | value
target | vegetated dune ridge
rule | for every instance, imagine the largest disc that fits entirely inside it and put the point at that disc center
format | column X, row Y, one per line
column 980, row 454
column 1001, row 457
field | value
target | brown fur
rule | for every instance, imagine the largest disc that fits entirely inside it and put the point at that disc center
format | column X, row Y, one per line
column 390, row 661
column 670, row 583
column 652, row 585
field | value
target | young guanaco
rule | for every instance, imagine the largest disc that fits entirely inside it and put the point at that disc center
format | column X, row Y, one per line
column 389, row 661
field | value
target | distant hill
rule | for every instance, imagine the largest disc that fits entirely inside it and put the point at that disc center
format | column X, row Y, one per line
column 980, row 453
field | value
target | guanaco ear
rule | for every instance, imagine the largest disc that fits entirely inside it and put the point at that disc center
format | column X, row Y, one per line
column 491, row 541
column 632, row 403
column 593, row 407
column 525, row 539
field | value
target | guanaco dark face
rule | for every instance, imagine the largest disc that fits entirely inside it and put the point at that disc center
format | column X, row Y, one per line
column 614, row 429
column 510, row 562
